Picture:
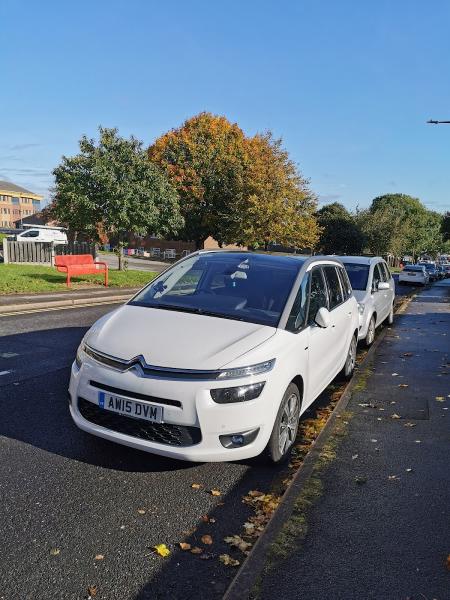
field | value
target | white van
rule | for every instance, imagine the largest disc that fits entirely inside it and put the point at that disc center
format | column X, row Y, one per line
column 42, row 233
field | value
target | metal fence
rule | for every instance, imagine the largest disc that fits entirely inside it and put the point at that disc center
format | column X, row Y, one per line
column 42, row 252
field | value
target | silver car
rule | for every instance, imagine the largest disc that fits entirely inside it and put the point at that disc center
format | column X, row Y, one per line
column 374, row 289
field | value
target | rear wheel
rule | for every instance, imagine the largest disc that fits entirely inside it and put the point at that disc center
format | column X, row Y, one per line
column 370, row 335
column 286, row 426
column 350, row 361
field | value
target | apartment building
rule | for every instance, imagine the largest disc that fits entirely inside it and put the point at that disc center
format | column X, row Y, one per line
column 16, row 203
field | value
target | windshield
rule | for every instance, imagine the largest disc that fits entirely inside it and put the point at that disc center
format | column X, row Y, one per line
column 231, row 285
column 358, row 275
column 413, row 268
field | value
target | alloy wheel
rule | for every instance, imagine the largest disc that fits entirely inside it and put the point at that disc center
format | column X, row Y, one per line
column 288, row 423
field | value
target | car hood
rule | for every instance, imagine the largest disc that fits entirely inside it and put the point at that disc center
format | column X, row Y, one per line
column 173, row 339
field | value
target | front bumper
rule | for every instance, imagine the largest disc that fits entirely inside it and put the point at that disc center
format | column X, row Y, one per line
column 196, row 412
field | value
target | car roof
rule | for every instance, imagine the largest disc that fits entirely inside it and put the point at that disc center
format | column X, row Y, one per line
column 361, row 260
column 273, row 257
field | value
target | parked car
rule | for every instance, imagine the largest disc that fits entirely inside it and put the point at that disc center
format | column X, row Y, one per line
column 440, row 271
column 217, row 358
column 446, row 269
column 374, row 289
column 431, row 270
column 42, row 233
column 416, row 274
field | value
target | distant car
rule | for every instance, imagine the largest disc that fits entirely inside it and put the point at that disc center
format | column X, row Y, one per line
column 217, row 358
column 431, row 270
column 441, row 271
column 446, row 267
column 416, row 274
column 374, row 289
column 41, row 233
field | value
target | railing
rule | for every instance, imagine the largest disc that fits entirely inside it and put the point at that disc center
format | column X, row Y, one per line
column 42, row 252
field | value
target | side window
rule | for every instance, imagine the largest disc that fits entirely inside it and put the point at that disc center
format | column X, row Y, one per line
column 377, row 277
column 31, row 234
column 345, row 282
column 386, row 272
column 297, row 317
column 334, row 287
column 317, row 294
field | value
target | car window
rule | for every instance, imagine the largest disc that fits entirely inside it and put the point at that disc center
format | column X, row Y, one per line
column 345, row 283
column 31, row 234
column 318, row 296
column 387, row 273
column 297, row 317
column 358, row 275
column 334, row 287
column 376, row 277
column 383, row 272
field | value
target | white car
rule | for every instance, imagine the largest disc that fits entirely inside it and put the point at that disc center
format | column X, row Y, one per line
column 374, row 289
column 217, row 358
column 42, row 233
column 416, row 274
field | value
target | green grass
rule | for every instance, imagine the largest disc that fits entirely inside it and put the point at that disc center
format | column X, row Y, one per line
column 25, row 279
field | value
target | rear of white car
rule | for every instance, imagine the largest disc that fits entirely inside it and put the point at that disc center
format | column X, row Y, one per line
column 414, row 274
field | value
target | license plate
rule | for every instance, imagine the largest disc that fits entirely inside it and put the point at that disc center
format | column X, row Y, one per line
column 130, row 408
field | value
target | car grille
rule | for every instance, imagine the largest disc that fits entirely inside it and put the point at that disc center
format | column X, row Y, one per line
column 161, row 433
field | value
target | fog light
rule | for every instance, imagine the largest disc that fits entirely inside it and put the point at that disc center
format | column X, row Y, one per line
column 237, row 440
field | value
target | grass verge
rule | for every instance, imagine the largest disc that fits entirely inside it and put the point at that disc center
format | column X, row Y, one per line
column 30, row 279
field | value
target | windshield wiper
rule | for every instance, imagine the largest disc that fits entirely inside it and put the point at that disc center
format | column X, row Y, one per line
column 193, row 310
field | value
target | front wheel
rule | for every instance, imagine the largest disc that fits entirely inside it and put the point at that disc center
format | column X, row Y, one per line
column 390, row 318
column 370, row 335
column 286, row 426
column 350, row 361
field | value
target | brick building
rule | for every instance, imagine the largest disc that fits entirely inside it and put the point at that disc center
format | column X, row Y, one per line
column 17, row 203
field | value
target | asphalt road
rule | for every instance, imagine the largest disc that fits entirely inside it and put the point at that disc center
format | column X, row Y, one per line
column 66, row 497
column 134, row 264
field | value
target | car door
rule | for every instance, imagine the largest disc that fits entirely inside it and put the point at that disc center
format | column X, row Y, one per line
column 390, row 293
column 340, row 314
column 321, row 341
column 379, row 296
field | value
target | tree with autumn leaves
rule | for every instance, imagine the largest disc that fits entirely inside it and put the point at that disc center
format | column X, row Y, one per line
column 236, row 188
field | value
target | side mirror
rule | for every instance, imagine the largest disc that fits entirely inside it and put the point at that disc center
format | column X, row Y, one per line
column 322, row 318
column 383, row 285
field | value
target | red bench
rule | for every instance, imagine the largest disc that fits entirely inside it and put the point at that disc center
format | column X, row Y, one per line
column 80, row 264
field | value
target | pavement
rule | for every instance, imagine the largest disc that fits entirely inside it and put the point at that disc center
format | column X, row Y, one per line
column 379, row 524
column 134, row 264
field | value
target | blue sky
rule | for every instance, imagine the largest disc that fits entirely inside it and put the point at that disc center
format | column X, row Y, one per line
column 348, row 85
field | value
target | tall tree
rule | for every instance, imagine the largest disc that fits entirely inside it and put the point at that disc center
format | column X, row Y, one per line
column 341, row 233
column 278, row 204
column 111, row 187
column 205, row 159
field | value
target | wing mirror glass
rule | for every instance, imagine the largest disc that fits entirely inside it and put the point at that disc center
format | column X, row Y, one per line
column 383, row 285
column 323, row 318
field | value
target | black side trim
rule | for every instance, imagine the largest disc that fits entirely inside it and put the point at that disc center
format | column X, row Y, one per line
column 136, row 395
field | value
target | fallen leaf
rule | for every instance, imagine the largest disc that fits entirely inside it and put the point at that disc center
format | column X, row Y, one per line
column 141, row 511
column 418, row 441
column 215, row 493
column 162, row 550
column 196, row 550
column 238, row 542
column 407, row 354
column 355, row 456
column 403, row 385
column 227, row 560
column 395, row 416
column 196, row 486
column 255, row 494
column 92, row 591
column 392, row 477
column 408, row 470
column 448, row 562
column 409, row 424
column 99, row 557
column 374, row 441
column 440, row 398
column 54, row 551
column 360, row 480
column 207, row 539
column 394, row 374
column 184, row 546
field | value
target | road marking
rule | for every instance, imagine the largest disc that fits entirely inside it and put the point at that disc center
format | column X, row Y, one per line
column 4, row 372
column 37, row 310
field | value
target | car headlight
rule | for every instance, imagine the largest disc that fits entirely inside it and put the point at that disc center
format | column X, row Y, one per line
column 361, row 308
column 246, row 371
column 80, row 353
column 242, row 393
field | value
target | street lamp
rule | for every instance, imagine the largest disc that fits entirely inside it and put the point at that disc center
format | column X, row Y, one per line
column 437, row 122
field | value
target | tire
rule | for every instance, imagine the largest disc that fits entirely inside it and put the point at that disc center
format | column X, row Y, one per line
column 350, row 361
column 285, row 427
column 370, row 335
column 389, row 320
